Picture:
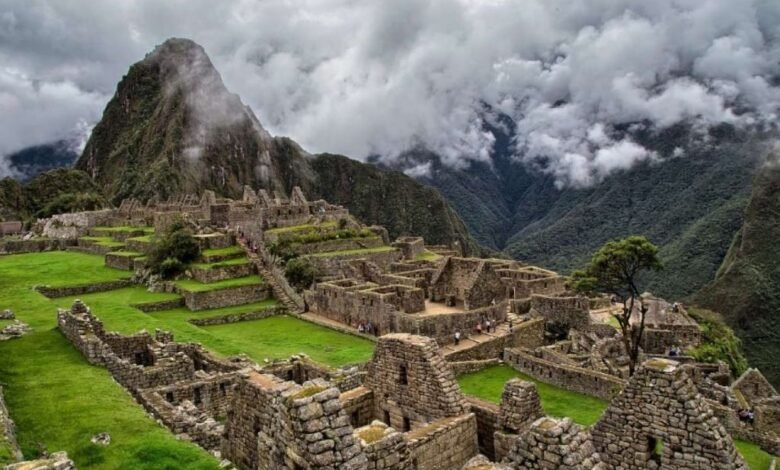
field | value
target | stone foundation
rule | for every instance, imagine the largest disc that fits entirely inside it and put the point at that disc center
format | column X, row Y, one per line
column 227, row 297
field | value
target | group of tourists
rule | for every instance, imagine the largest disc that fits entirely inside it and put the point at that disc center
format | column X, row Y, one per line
column 675, row 351
column 486, row 325
column 366, row 327
column 746, row 416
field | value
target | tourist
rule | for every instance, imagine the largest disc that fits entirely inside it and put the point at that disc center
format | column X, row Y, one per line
column 457, row 337
column 361, row 328
column 479, row 328
column 510, row 326
column 493, row 324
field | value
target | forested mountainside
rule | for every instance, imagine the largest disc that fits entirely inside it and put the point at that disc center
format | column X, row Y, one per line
column 746, row 289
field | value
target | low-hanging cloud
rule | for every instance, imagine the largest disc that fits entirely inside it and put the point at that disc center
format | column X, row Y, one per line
column 380, row 77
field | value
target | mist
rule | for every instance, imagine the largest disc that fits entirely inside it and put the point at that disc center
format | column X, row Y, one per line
column 379, row 78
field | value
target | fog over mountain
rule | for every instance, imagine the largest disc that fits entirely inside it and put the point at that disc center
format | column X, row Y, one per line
column 376, row 78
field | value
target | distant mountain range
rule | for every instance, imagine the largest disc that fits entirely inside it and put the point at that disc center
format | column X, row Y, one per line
column 172, row 128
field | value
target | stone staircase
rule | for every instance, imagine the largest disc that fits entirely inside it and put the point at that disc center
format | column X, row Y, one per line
column 283, row 292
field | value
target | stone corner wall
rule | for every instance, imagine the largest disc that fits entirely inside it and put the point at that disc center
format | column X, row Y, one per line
column 447, row 443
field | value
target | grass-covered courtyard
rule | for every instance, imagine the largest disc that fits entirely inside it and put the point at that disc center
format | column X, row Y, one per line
column 488, row 384
column 59, row 402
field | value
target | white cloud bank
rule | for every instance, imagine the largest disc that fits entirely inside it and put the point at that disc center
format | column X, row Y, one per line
column 378, row 77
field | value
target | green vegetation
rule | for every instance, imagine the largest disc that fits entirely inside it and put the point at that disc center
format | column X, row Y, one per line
column 105, row 241
column 719, row 343
column 49, row 193
column 488, row 384
column 142, row 239
column 59, row 401
column 746, row 290
column 173, row 251
column 427, row 256
column 379, row 249
column 300, row 272
column 123, row 228
column 301, row 228
column 281, row 336
column 616, row 269
column 128, row 254
column 192, row 285
column 221, row 264
column 231, row 250
column 756, row 458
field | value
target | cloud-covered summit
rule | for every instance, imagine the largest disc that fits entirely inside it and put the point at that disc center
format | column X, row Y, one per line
column 379, row 77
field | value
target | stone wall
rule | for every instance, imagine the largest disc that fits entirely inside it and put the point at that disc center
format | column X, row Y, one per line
column 358, row 404
column 238, row 317
column 572, row 378
column 118, row 261
column 486, row 414
column 552, row 443
column 411, row 247
column 467, row 367
column 331, row 265
column 149, row 307
column 562, row 312
column 357, row 243
column 446, row 443
column 219, row 273
column 75, row 224
column 55, row 461
column 7, row 433
column 659, row 340
column 279, row 425
column 70, row 291
column 660, row 420
column 34, row 245
column 528, row 334
column 384, row 447
column 415, row 383
column 753, row 386
column 203, row 300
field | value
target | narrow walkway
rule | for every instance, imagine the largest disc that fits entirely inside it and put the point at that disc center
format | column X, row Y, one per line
column 334, row 325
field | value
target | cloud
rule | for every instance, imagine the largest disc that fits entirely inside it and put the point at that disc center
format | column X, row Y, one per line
column 377, row 77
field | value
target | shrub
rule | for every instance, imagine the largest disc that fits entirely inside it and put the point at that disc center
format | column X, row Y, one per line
column 719, row 343
column 301, row 273
column 173, row 251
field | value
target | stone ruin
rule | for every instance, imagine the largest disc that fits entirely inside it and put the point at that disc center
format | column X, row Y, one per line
column 259, row 420
column 661, row 421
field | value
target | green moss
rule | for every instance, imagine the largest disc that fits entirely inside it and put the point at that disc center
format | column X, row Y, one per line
column 308, row 392
column 427, row 256
column 301, row 228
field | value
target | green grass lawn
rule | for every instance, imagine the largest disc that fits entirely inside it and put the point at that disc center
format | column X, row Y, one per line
column 756, row 458
column 128, row 254
column 192, row 285
column 379, row 249
column 124, row 228
column 230, row 250
column 58, row 400
column 279, row 337
column 219, row 264
column 427, row 256
column 142, row 239
column 300, row 228
column 488, row 384
column 105, row 241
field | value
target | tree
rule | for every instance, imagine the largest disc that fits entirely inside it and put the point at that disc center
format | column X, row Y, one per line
column 173, row 251
column 615, row 269
column 300, row 272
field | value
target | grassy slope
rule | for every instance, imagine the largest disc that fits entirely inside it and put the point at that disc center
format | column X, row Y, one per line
column 192, row 285
column 488, row 384
column 59, row 401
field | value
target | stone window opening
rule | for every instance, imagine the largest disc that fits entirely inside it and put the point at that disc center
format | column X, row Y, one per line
column 139, row 358
column 655, row 449
column 355, row 418
column 387, row 418
column 403, row 378
column 223, row 388
column 196, row 396
column 407, row 424
column 169, row 397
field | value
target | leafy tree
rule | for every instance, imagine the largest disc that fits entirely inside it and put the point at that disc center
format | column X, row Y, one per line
column 615, row 269
column 173, row 251
column 300, row 272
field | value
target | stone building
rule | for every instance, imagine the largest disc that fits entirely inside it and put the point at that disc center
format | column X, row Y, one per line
column 660, row 420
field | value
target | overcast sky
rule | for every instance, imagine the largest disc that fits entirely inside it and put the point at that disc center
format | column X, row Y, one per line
column 376, row 77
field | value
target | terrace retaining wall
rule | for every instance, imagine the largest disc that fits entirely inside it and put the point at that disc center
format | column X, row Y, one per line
column 228, row 297
column 446, row 443
column 69, row 291
column 221, row 273
column 238, row 317
column 571, row 378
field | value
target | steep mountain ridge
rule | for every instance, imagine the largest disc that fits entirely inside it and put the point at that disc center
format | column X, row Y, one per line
column 746, row 290
column 172, row 127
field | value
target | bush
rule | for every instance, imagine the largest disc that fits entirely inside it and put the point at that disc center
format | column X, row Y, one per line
column 300, row 272
column 72, row 202
column 173, row 251
column 719, row 343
